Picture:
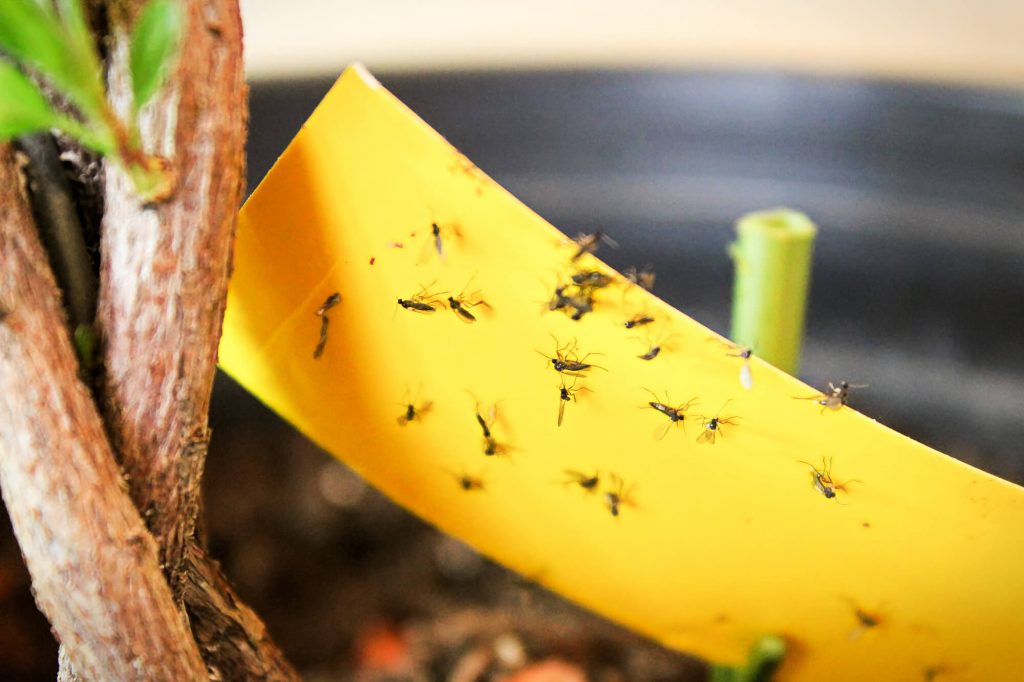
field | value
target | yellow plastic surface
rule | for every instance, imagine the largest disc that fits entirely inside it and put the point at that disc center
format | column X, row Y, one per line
column 714, row 544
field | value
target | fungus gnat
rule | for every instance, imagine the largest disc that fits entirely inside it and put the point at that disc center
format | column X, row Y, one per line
column 588, row 243
column 586, row 481
column 566, row 361
column 467, row 482
column 655, row 344
column 439, row 235
column 836, row 396
column 485, row 423
column 713, row 426
column 461, row 304
column 413, row 411
column 643, row 278
column 321, row 312
column 565, row 394
column 866, row 620
column 331, row 301
column 638, row 321
column 743, row 352
column 591, row 279
column 575, row 303
column 822, row 478
column 675, row 415
column 746, row 378
column 618, row 496
column 423, row 301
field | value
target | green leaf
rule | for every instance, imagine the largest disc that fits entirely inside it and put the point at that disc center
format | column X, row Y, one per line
column 82, row 81
column 154, row 44
column 23, row 109
column 32, row 34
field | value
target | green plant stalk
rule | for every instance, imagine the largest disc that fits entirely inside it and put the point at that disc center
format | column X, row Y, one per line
column 772, row 257
column 764, row 659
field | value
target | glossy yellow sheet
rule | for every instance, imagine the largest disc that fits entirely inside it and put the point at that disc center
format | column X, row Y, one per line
column 915, row 569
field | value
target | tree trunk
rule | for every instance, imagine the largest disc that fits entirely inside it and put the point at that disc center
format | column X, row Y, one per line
column 163, row 284
column 94, row 567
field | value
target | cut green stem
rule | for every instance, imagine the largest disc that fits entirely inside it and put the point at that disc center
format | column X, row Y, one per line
column 764, row 659
column 772, row 256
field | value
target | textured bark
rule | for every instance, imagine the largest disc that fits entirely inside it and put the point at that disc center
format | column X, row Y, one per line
column 94, row 567
column 163, row 286
column 165, row 268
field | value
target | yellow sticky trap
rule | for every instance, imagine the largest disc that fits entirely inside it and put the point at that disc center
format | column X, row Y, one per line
column 913, row 568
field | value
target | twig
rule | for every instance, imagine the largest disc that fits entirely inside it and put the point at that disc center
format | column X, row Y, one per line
column 163, row 287
column 94, row 567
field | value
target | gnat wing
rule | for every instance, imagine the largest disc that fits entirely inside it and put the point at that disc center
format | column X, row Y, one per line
column 746, row 378
column 707, row 436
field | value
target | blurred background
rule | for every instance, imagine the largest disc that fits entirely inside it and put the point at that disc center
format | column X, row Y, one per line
column 898, row 127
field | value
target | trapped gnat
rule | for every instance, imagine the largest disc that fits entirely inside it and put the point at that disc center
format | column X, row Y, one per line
column 713, row 426
column 743, row 352
column 822, row 478
column 588, row 243
column 638, row 321
column 588, row 482
column 655, row 344
column 440, row 237
column 618, row 496
column 675, row 415
column 423, row 301
column 467, row 482
column 836, row 396
column 565, row 395
column 321, row 312
column 572, row 300
column 567, row 361
column 413, row 411
column 463, row 302
column 642, row 278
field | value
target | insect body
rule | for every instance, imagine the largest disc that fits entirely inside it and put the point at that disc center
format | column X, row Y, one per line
column 638, row 321
column 321, row 312
column 577, row 303
column 588, row 243
column 461, row 309
column 565, row 394
column 586, row 481
column 743, row 352
column 822, row 478
column 642, row 278
column 413, row 411
column 655, row 344
column 467, row 482
column 651, row 353
column 461, row 304
column 713, row 426
column 331, row 301
column 836, row 396
column 485, row 424
column 566, row 361
column 746, row 378
column 618, row 496
column 675, row 415
column 591, row 279
column 491, row 444
column 436, row 240
column 423, row 301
